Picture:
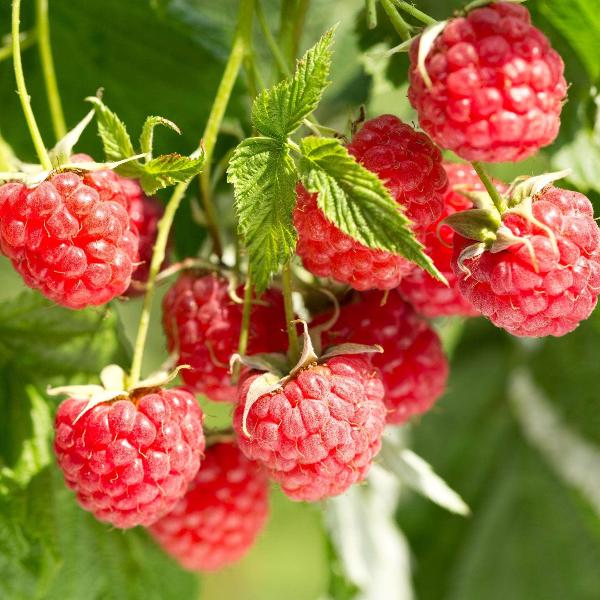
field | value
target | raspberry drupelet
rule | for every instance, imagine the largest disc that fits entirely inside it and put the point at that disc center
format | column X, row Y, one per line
column 410, row 165
column 129, row 461
column 220, row 517
column 496, row 86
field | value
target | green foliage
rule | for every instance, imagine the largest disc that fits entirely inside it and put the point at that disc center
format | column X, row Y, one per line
column 264, row 178
column 279, row 111
column 357, row 201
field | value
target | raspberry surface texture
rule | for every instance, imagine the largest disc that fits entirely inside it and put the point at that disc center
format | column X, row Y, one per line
column 429, row 296
column 75, row 245
column 319, row 433
column 202, row 324
column 413, row 366
column 410, row 165
column 549, row 282
column 131, row 460
column 497, row 87
column 219, row 519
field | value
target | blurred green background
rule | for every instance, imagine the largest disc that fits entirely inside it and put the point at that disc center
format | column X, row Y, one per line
column 526, row 465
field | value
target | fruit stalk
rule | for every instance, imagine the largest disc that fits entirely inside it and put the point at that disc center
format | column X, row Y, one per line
column 232, row 68
column 241, row 44
column 413, row 11
column 45, row 50
column 36, row 136
column 489, row 186
column 400, row 25
column 286, row 279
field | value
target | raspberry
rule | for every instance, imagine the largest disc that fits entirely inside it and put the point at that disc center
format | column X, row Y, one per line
column 549, row 282
column 413, row 366
column 497, row 87
column 145, row 212
column 203, row 324
column 429, row 296
column 218, row 520
column 68, row 241
column 410, row 165
column 130, row 460
column 319, row 433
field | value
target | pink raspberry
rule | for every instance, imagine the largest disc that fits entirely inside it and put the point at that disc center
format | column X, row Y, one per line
column 319, row 433
column 219, row 519
column 549, row 282
column 130, row 460
column 202, row 323
column 429, row 296
column 411, row 167
column 413, row 366
column 497, row 87
column 75, row 245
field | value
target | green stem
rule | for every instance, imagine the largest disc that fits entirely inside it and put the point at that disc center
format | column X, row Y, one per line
column 400, row 25
column 291, row 24
column 241, row 43
column 27, row 40
column 245, row 327
column 371, row 10
column 489, row 186
column 34, row 131
column 286, row 279
column 45, row 50
column 413, row 11
column 238, row 49
column 282, row 63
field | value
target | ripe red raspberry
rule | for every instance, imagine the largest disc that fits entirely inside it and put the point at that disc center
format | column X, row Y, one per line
column 218, row 520
column 145, row 212
column 202, row 323
column 130, row 460
column 411, row 168
column 319, row 433
column 497, row 87
column 68, row 241
column 429, row 296
column 530, row 288
column 413, row 366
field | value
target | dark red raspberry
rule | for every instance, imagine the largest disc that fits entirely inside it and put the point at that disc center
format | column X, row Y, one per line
column 429, row 296
column 497, row 87
column 549, row 282
column 73, row 244
column 145, row 212
column 202, row 323
column 413, row 366
column 131, row 460
column 218, row 520
column 410, row 165
column 319, row 433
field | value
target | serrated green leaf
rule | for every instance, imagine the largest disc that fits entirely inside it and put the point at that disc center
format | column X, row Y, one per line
column 113, row 133
column 356, row 200
column 264, row 178
column 147, row 135
column 169, row 169
column 279, row 111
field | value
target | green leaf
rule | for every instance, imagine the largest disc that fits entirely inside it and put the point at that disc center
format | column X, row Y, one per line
column 582, row 156
column 356, row 200
column 113, row 133
column 169, row 169
column 264, row 178
column 147, row 135
column 279, row 111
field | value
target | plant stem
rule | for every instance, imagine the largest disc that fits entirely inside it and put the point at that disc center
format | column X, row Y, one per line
column 400, row 25
column 489, row 186
column 291, row 24
column 286, row 280
column 413, row 11
column 45, row 50
column 34, row 131
column 246, row 312
column 238, row 50
column 371, row 10
column 27, row 40
column 280, row 59
column 241, row 43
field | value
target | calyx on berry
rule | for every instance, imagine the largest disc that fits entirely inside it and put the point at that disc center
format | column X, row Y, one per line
column 484, row 224
column 278, row 370
column 113, row 387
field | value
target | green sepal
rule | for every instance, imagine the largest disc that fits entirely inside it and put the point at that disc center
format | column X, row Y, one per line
column 477, row 224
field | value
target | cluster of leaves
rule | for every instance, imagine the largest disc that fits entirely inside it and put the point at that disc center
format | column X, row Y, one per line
column 264, row 175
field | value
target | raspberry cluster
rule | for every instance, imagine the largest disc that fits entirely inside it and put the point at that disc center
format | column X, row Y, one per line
column 496, row 86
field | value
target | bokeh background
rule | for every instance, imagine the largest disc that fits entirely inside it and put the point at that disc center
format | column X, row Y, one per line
column 517, row 435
